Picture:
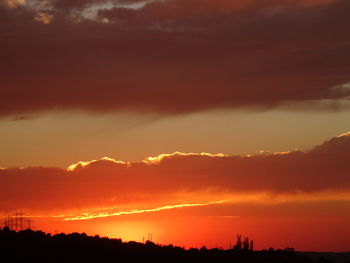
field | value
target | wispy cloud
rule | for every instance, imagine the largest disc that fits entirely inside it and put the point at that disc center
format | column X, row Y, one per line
column 87, row 216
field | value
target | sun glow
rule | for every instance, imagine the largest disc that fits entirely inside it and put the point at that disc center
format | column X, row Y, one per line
column 129, row 231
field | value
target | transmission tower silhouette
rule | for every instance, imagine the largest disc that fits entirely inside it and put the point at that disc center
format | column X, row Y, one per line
column 18, row 222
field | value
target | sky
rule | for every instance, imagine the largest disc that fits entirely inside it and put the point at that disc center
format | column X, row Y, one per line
column 192, row 120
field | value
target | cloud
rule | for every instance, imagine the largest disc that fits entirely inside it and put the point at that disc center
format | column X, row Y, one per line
column 74, row 166
column 13, row 3
column 43, row 17
column 174, row 57
column 88, row 216
column 181, row 178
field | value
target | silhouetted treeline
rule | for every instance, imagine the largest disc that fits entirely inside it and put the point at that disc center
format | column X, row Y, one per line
column 37, row 246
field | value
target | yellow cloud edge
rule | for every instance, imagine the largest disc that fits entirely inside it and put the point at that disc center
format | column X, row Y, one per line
column 148, row 160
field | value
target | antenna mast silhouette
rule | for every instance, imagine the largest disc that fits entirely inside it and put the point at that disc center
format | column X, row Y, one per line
column 18, row 222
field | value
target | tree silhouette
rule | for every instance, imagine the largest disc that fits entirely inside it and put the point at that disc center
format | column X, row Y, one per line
column 243, row 244
column 40, row 247
column 251, row 245
column 239, row 243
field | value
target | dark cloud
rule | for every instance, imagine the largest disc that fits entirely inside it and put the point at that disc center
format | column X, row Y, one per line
column 172, row 57
column 107, row 183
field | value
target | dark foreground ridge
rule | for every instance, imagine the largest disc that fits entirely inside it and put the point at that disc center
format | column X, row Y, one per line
column 37, row 246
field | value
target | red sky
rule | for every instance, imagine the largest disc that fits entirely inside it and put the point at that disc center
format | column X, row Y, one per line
column 203, row 86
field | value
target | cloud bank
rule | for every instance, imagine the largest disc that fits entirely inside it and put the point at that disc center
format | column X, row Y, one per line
column 173, row 57
column 181, row 178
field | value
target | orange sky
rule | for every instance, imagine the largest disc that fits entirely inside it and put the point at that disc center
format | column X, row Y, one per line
column 281, row 199
column 192, row 120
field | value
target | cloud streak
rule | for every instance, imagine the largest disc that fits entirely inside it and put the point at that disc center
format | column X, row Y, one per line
column 87, row 216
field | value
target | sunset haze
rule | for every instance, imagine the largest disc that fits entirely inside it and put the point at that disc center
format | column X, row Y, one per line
column 185, row 121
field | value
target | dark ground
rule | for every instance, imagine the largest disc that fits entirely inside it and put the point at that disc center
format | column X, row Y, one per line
column 37, row 246
column 340, row 257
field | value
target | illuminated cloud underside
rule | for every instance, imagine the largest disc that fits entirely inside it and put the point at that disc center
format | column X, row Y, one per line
column 148, row 160
column 72, row 167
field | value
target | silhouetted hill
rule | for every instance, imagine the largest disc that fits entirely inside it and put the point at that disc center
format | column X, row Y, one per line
column 37, row 246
